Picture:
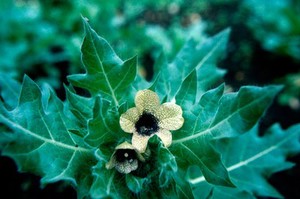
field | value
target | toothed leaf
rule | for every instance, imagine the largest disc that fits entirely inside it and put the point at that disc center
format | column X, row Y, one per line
column 106, row 73
column 250, row 160
column 42, row 143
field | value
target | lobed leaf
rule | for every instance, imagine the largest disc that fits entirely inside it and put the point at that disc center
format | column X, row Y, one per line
column 104, row 126
column 250, row 158
column 201, row 57
column 226, row 116
column 42, row 143
column 106, row 73
column 81, row 107
column 198, row 151
column 213, row 117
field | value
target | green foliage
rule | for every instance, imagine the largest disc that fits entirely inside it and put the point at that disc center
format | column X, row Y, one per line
column 50, row 41
column 211, row 154
column 201, row 57
column 39, row 44
column 291, row 94
column 257, row 159
column 276, row 25
column 43, row 143
column 106, row 73
column 214, row 117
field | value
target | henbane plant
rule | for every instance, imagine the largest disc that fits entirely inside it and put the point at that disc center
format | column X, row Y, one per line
column 186, row 138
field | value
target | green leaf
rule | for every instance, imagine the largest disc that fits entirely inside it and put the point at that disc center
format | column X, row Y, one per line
column 250, row 158
column 225, row 116
column 198, row 151
column 42, row 142
column 186, row 96
column 216, row 116
column 104, row 126
column 106, row 73
column 208, row 76
column 208, row 191
column 183, row 188
column 105, row 185
column 161, row 83
column 135, row 184
column 9, row 90
column 167, row 166
column 81, row 107
column 201, row 57
column 108, row 183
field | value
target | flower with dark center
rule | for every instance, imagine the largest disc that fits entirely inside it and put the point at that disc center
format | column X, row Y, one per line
column 149, row 118
column 125, row 158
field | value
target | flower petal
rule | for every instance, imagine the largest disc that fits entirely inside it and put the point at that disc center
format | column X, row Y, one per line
column 127, row 167
column 165, row 136
column 125, row 145
column 112, row 162
column 146, row 100
column 169, row 116
column 128, row 120
column 140, row 142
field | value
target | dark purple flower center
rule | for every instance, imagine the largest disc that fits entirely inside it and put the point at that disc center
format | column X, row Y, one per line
column 123, row 155
column 147, row 124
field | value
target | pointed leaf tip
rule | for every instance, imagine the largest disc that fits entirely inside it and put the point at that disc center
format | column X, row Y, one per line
column 29, row 90
column 106, row 73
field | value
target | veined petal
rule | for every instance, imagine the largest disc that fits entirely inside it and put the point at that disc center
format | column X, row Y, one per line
column 128, row 120
column 140, row 142
column 169, row 116
column 146, row 100
column 165, row 136
column 127, row 167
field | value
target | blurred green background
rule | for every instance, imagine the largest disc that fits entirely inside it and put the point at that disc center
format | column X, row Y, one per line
column 42, row 38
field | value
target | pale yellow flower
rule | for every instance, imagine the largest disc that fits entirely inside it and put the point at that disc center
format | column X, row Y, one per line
column 125, row 158
column 149, row 118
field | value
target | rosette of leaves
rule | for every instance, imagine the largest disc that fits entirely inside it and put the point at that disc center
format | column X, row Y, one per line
column 211, row 155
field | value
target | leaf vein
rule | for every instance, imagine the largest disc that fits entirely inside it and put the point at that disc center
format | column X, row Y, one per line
column 250, row 159
column 67, row 167
column 104, row 74
column 194, row 136
column 63, row 122
column 46, row 125
column 32, row 134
